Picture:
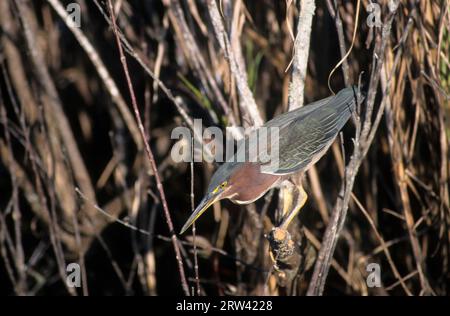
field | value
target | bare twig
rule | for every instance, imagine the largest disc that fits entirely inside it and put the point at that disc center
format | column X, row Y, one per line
column 197, row 279
column 150, row 155
column 335, row 14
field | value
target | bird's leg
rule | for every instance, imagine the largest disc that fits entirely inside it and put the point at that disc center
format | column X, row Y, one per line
column 291, row 209
column 288, row 197
column 294, row 197
column 285, row 251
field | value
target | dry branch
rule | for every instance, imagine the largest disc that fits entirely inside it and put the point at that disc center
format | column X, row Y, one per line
column 301, row 53
column 361, row 146
column 248, row 102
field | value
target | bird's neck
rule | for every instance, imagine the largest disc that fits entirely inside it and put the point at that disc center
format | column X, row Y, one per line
column 250, row 184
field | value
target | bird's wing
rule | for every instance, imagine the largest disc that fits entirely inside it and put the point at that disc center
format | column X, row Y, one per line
column 305, row 139
column 286, row 118
column 280, row 122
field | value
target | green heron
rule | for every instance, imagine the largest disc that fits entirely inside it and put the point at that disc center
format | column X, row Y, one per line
column 305, row 134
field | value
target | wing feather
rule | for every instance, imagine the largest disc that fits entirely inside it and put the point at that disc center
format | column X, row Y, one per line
column 306, row 137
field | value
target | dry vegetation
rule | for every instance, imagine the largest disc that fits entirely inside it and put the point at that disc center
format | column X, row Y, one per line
column 74, row 160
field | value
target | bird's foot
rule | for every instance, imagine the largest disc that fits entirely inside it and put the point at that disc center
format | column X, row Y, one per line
column 284, row 250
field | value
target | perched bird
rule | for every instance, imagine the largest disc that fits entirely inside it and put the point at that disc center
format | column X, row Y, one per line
column 305, row 134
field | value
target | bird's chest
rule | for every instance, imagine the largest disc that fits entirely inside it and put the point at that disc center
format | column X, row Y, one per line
column 252, row 184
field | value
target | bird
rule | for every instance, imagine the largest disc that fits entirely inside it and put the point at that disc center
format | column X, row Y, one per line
column 304, row 136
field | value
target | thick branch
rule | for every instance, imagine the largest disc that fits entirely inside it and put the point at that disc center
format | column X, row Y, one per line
column 362, row 143
column 242, row 86
column 301, row 52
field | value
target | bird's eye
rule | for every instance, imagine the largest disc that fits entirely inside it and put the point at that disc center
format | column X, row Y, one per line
column 219, row 187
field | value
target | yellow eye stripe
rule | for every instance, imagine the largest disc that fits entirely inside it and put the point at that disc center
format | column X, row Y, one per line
column 221, row 186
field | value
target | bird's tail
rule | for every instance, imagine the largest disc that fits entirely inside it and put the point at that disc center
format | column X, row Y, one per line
column 344, row 105
column 346, row 99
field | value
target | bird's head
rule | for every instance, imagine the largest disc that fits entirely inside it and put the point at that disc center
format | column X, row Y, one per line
column 219, row 188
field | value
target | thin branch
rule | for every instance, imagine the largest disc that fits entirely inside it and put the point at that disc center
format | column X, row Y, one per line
column 335, row 14
column 194, row 230
column 362, row 143
column 149, row 154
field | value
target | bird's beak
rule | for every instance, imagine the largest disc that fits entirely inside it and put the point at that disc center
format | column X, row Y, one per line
column 201, row 208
